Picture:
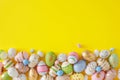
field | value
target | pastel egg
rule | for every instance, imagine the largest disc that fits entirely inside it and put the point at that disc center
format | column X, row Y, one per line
column 79, row 66
column 60, row 72
column 12, row 72
column 110, row 75
column 77, row 76
column 42, row 68
column 67, row 68
column 33, row 74
column 25, row 62
column 87, row 55
column 5, row 76
column 8, row 63
column 33, row 60
column 72, row 59
column 104, row 54
column 98, row 76
column 50, row 58
column 64, row 77
column 11, row 52
column 62, row 57
column 74, row 54
column 114, row 60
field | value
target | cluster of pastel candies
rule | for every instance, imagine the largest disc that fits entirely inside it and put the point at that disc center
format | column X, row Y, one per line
column 99, row 65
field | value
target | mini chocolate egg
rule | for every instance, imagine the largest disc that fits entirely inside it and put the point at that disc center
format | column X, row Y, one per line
column 33, row 60
column 8, row 63
column 11, row 52
column 42, row 68
column 104, row 64
column 73, row 57
column 77, row 76
column 98, row 76
column 5, row 76
column 12, row 72
column 50, row 58
column 90, row 69
column 47, row 77
column 1, row 68
column 21, row 56
column 60, row 72
column 118, row 73
column 33, row 74
column 110, row 75
column 40, row 53
column 62, row 57
column 79, row 66
column 3, row 55
column 87, row 55
column 20, row 77
column 114, row 60
column 21, row 68
column 64, row 77
column 104, row 54
column 67, row 68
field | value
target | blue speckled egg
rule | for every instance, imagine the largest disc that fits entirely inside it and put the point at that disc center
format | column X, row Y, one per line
column 25, row 62
column 60, row 72
column 79, row 66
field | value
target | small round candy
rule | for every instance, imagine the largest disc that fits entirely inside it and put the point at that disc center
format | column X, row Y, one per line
column 11, row 53
column 25, row 62
column 98, row 69
column 60, row 72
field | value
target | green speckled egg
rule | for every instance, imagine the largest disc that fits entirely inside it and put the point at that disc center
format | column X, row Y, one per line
column 5, row 76
column 50, row 58
column 114, row 60
column 67, row 68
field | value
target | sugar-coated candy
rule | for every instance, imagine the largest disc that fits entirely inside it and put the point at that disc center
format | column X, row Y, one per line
column 90, row 69
column 114, row 60
column 98, row 76
column 79, row 66
column 50, row 58
column 12, row 72
column 104, row 64
column 11, row 52
column 60, row 72
column 77, row 76
column 42, row 68
column 73, row 57
column 110, row 75
column 33, row 75
column 87, row 55
column 67, row 68
column 8, row 63
column 47, row 77
column 5, row 76
column 62, row 57
column 21, row 56
column 21, row 67
column 20, row 77
column 104, row 54
column 33, row 60
column 64, row 77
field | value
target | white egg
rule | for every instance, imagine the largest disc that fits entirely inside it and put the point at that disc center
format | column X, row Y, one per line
column 11, row 52
column 13, row 72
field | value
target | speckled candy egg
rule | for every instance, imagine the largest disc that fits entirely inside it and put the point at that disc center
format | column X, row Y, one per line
column 64, row 77
column 79, row 66
column 104, row 54
column 50, row 58
column 33, row 60
column 110, row 75
column 87, row 55
column 33, row 74
column 11, row 52
column 5, row 76
column 62, row 57
column 42, row 68
column 114, row 60
column 12, row 72
column 67, row 68
column 73, row 57
column 77, row 76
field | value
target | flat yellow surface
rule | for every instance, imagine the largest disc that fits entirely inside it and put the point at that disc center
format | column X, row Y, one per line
column 58, row 25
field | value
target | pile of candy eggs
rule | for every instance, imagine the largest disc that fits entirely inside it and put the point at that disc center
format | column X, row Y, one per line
column 97, row 65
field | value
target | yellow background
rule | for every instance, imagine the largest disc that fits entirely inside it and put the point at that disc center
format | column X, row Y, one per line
column 58, row 25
